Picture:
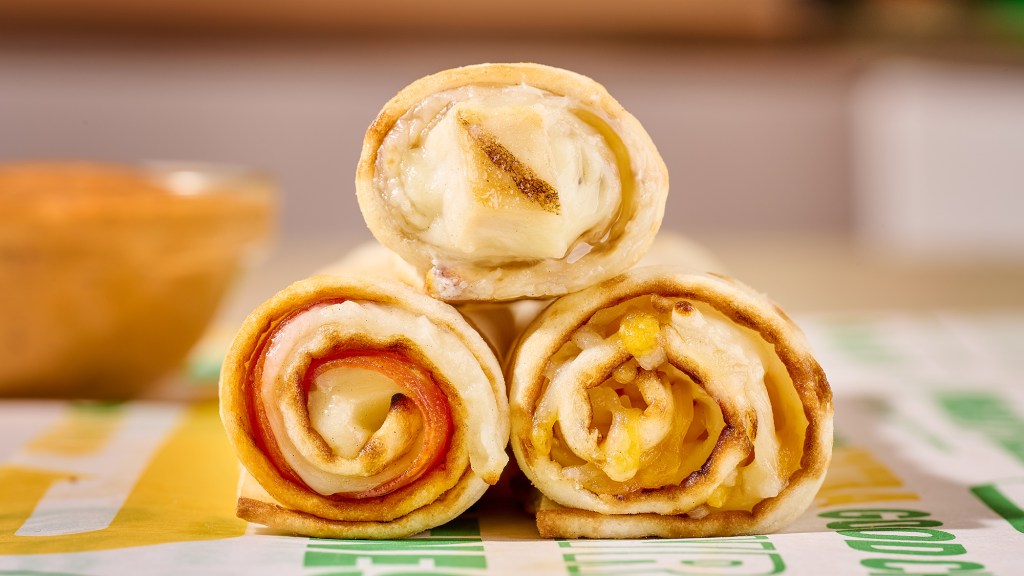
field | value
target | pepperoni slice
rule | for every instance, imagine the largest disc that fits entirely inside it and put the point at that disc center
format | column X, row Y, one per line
column 416, row 383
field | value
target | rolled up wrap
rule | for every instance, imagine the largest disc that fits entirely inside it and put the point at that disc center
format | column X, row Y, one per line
column 507, row 181
column 361, row 408
column 668, row 403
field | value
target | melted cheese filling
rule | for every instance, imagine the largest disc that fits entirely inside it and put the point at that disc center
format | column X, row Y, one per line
column 347, row 405
column 619, row 414
column 501, row 174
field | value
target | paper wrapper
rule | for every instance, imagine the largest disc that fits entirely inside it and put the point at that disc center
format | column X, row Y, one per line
column 507, row 181
column 362, row 409
column 927, row 477
column 668, row 403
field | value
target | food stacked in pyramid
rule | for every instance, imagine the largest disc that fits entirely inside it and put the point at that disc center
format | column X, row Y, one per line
column 516, row 205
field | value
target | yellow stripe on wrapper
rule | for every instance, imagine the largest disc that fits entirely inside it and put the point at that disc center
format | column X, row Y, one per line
column 185, row 493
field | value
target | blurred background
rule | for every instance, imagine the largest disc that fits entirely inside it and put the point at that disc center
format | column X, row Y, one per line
column 834, row 154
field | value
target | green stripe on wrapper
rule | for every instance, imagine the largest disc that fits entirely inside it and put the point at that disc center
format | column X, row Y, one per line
column 999, row 503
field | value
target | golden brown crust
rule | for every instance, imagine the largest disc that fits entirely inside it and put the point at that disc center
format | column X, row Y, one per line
column 671, row 510
column 475, row 456
column 554, row 521
column 638, row 217
column 256, row 505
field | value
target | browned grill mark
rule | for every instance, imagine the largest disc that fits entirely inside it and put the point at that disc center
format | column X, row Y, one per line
column 526, row 180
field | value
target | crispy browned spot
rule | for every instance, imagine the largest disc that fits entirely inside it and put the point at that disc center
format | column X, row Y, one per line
column 684, row 307
column 526, row 180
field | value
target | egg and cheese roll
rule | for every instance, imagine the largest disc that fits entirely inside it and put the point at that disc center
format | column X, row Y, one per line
column 668, row 403
column 507, row 181
column 361, row 408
